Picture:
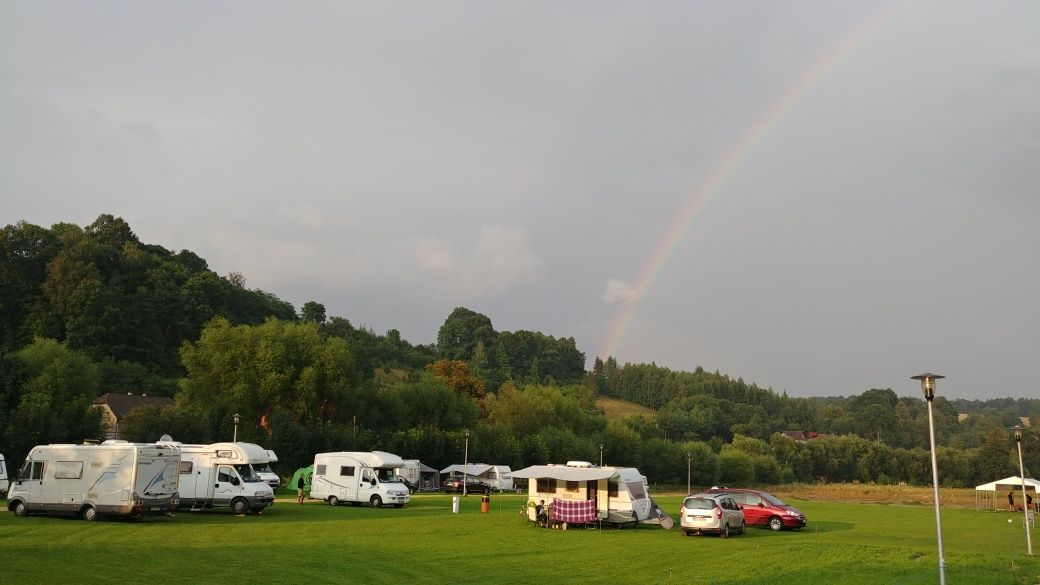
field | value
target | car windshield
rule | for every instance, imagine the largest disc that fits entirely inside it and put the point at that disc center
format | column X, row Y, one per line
column 245, row 471
column 388, row 475
column 698, row 504
column 262, row 468
column 772, row 500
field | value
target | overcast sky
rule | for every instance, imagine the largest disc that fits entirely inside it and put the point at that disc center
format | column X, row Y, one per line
column 817, row 197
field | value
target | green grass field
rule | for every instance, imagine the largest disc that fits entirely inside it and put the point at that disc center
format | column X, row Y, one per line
column 425, row 543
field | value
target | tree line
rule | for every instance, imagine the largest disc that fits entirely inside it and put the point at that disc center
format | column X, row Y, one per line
column 91, row 310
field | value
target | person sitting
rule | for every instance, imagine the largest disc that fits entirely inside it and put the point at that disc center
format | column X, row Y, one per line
column 541, row 514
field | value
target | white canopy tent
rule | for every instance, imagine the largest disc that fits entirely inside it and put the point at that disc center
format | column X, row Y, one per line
column 993, row 495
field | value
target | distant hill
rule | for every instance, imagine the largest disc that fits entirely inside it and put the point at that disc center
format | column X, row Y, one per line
column 615, row 409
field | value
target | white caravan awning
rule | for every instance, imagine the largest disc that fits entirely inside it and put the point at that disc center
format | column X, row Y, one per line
column 565, row 473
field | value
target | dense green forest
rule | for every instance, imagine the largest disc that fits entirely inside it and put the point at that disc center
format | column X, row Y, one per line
column 89, row 310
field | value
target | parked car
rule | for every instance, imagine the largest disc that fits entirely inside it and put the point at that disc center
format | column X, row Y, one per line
column 764, row 509
column 710, row 513
column 473, row 485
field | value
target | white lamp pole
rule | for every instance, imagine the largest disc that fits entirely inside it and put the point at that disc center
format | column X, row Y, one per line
column 1022, row 476
column 465, row 463
column 928, row 387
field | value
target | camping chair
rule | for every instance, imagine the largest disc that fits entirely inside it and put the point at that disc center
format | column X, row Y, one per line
column 1029, row 520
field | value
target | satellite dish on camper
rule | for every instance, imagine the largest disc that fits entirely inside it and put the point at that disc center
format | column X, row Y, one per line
column 166, row 438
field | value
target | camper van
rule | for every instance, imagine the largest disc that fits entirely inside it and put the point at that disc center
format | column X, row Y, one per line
column 3, row 478
column 222, row 475
column 114, row 478
column 357, row 477
column 614, row 495
column 266, row 473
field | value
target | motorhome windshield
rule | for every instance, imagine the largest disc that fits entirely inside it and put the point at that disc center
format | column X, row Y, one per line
column 388, row 474
column 245, row 471
column 262, row 468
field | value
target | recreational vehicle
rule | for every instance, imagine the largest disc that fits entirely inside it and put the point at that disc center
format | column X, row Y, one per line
column 498, row 477
column 357, row 477
column 3, row 478
column 611, row 495
column 418, row 476
column 222, row 475
column 266, row 473
column 114, row 478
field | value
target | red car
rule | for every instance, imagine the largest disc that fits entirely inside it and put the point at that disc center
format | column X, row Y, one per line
column 764, row 509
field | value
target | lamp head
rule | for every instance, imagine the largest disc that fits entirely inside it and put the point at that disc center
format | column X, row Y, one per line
column 927, row 384
column 1017, row 430
column 237, row 418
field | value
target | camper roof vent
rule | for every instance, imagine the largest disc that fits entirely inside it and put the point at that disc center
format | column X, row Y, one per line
column 579, row 464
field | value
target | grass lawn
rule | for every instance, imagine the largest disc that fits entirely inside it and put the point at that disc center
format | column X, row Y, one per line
column 425, row 543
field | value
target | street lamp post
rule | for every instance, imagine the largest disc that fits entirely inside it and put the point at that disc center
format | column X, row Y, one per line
column 928, row 387
column 1022, row 476
column 601, row 454
column 236, row 418
column 465, row 463
column 689, row 465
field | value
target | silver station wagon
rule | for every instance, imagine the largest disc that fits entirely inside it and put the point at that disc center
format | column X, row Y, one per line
column 711, row 514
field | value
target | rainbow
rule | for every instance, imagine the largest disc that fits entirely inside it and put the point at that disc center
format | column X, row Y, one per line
column 727, row 164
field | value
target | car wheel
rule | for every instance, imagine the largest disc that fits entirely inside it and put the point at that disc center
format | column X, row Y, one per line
column 776, row 524
column 90, row 513
column 21, row 510
column 333, row 501
column 377, row 502
column 725, row 531
column 239, row 506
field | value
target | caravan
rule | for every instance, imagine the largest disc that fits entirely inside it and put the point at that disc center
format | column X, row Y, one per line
column 496, row 477
column 3, row 478
column 357, row 477
column 222, row 475
column 115, row 478
column 611, row 495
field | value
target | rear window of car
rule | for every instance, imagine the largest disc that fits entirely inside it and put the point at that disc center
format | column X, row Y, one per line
column 698, row 504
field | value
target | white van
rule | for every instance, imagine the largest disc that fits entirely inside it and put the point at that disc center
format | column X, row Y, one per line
column 222, row 475
column 3, row 478
column 115, row 477
column 357, row 477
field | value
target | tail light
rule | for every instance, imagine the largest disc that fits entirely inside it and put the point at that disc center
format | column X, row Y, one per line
column 718, row 512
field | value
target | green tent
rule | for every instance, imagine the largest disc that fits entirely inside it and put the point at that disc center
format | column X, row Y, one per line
column 305, row 472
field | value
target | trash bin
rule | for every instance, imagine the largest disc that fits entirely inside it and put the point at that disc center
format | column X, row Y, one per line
column 454, row 504
column 485, row 503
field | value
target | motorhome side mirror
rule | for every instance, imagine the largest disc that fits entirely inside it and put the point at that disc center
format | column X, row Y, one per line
column 234, row 481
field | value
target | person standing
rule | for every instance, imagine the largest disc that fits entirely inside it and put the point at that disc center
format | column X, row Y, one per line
column 1011, row 500
column 299, row 490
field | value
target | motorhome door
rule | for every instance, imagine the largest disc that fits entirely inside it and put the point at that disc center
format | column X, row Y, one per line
column 367, row 485
column 226, row 485
column 30, row 479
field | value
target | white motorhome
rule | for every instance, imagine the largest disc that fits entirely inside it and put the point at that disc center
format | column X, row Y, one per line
column 3, row 477
column 114, row 478
column 266, row 473
column 357, row 477
column 619, row 495
column 222, row 475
